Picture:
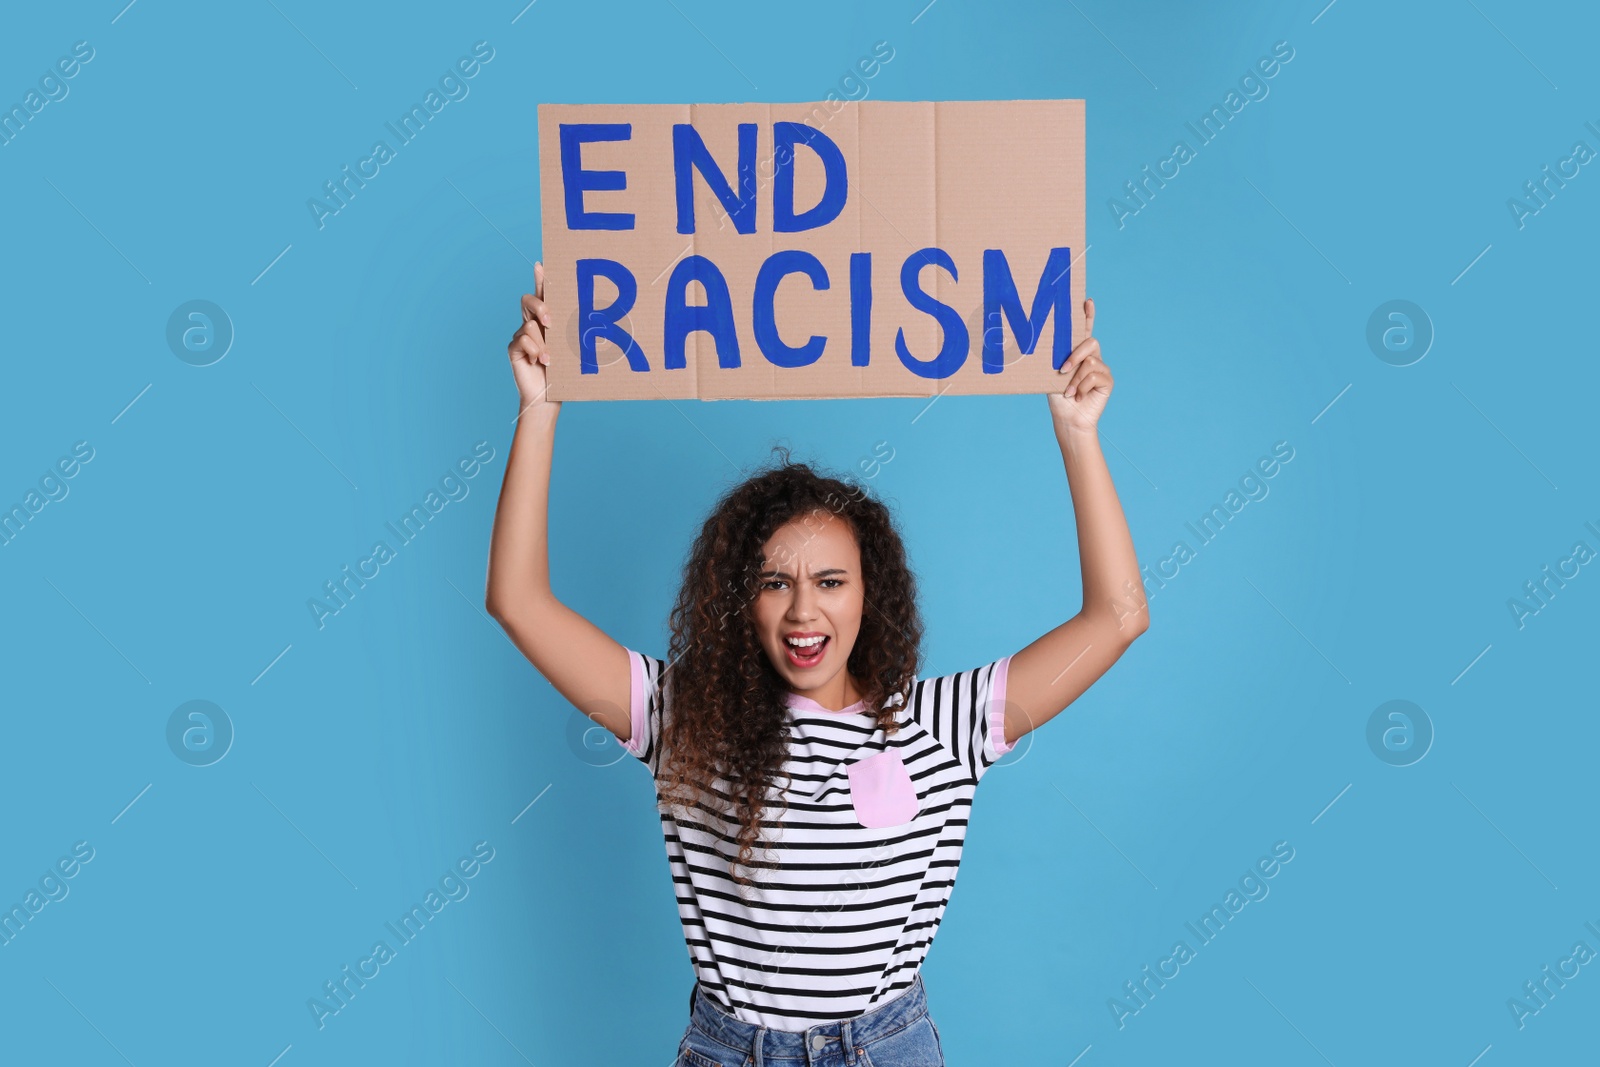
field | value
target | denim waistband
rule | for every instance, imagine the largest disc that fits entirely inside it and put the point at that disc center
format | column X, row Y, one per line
column 838, row 1037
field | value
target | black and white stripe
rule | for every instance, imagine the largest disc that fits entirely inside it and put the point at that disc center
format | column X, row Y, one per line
column 843, row 915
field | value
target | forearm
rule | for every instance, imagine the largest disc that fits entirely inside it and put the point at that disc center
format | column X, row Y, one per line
column 519, row 560
column 1111, row 585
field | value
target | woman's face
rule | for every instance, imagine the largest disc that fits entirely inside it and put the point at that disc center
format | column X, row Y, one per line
column 809, row 599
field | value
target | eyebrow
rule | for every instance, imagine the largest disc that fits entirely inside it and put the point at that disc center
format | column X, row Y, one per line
column 815, row 574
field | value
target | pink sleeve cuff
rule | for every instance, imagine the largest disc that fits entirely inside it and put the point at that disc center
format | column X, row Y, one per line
column 635, row 742
column 997, row 708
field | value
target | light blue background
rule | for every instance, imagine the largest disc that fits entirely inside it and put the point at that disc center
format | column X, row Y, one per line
column 371, row 356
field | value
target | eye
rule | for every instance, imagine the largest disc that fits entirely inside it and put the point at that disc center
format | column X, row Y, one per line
column 832, row 582
column 772, row 583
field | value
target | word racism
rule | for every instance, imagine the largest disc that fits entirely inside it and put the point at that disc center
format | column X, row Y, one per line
column 1540, row 193
column 52, row 887
column 1540, row 593
column 340, row 593
column 1254, row 88
column 630, row 203
column 1252, row 487
column 337, row 995
column 52, row 87
column 1252, row 886
column 454, row 87
column 53, row 484
column 1540, row 993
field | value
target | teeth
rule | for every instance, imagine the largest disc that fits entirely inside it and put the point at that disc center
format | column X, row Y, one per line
column 804, row 642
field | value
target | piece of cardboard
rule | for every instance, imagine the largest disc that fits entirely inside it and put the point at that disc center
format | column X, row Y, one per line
column 963, row 177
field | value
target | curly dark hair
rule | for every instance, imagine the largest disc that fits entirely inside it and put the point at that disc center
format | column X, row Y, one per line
column 728, row 716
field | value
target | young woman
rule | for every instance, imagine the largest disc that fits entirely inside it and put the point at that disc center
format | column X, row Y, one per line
column 813, row 792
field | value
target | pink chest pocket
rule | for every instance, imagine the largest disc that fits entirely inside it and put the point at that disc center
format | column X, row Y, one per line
column 881, row 790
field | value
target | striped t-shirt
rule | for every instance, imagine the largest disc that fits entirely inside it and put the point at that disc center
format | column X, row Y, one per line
column 864, row 857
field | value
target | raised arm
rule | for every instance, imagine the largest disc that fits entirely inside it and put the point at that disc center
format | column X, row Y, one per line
column 584, row 664
column 1057, row 668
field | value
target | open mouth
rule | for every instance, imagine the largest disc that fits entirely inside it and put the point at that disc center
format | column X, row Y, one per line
column 805, row 651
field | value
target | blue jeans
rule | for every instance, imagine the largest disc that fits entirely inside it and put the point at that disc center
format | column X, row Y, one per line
column 897, row 1033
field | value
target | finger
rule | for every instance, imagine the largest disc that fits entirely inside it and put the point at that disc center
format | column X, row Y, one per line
column 1075, row 380
column 527, row 346
column 1088, row 317
column 538, row 280
column 1087, row 348
column 1085, row 369
column 1097, row 380
column 534, row 310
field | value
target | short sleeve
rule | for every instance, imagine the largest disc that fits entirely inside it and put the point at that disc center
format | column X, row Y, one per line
column 644, row 707
column 965, row 713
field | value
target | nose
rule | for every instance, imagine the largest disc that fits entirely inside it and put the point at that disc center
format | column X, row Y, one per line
column 802, row 606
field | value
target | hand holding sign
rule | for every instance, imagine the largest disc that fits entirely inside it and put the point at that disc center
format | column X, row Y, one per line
column 530, row 354
column 1079, row 405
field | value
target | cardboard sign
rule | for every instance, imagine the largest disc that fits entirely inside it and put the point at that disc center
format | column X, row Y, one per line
column 777, row 251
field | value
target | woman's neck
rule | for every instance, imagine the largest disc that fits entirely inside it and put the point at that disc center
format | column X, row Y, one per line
column 836, row 694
